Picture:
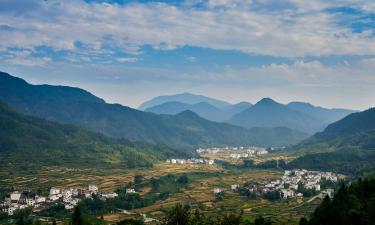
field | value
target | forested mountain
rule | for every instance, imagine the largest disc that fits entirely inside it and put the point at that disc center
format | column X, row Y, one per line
column 76, row 106
column 186, row 98
column 347, row 145
column 268, row 113
column 26, row 140
column 203, row 109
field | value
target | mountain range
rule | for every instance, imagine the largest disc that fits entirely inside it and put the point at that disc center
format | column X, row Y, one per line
column 203, row 109
column 186, row 98
column 265, row 113
column 347, row 145
column 27, row 141
column 184, row 131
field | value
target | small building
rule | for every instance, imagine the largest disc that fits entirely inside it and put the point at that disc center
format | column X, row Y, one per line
column 217, row 190
column 130, row 191
column 54, row 191
column 15, row 197
column 93, row 189
column 234, row 187
column 109, row 195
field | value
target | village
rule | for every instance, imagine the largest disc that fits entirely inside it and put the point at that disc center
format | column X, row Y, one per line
column 294, row 182
column 232, row 152
column 68, row 197
column 191, row 161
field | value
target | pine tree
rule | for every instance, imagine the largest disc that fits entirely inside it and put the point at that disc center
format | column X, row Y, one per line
column 77, row 217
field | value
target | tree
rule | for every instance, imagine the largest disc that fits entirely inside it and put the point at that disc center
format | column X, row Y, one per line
column 183, row 179
column 231, row 220
column 179, row 215
column 303, row 221
column 138, row 179
column 22, row 215
column 77, row 218
column 130, row 222
column 261, row 221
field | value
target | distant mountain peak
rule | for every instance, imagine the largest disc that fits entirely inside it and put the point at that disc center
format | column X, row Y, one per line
column 187, row 114
column 267, row 101
column 185, row 97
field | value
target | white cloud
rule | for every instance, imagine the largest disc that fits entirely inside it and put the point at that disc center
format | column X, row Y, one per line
column 299, row 28
column 127, row 60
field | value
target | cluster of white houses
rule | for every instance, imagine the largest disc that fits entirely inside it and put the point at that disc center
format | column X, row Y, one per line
column 191, row 161
column 288, row 184
column 69, row 197
column 234, row 152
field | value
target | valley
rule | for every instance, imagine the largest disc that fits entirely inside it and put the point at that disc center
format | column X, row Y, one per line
column 144, row 164
column 198, row 192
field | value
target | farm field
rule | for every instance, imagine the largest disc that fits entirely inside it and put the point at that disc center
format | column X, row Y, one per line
column 198, row 192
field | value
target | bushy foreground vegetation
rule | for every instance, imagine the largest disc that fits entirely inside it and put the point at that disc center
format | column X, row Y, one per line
column 352, row 205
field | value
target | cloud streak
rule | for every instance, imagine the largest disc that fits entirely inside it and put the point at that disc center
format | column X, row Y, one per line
column 299, row 28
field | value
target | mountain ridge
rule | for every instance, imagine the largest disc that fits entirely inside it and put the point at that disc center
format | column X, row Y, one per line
column 47, row 143
column 347, row 145
column 186, row 98
column 119, row 121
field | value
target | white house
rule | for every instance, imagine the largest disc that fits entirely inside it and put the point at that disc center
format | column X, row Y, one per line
column 217, row 190
column 93, row 189
column 109, row 195
column 15, row 196
column 130, row 191
column 30, row 202
column 67, row 195
column 211, row 162
column 234, row 187
column 54, row 191
column 40, row 199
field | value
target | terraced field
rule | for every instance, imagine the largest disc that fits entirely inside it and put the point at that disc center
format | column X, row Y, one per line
column 198, row 193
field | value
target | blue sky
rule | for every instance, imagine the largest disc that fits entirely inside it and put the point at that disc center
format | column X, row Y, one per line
column 128, row 51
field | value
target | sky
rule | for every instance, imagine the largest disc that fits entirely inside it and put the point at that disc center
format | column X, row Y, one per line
column 129, row 51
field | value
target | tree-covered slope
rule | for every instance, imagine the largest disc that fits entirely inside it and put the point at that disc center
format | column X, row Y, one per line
column 27, row 140
column 351, row 205
column 347, row 145
column 80, row 108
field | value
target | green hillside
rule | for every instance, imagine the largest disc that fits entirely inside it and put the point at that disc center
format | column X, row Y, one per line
column 27, row 141
column 347, row 146
column 354, row 204
column 75, row 106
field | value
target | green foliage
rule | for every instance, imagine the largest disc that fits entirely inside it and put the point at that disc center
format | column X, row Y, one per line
column 55, row 211
column 347, row 146
column 130, row 222
column 3, row 216
column 22, row 214
column 185, row 215
column 169, row 183
column 49, row 143
column 183, row 131
column 352, row 205
column 272, row 195
column 261, row 221
column 306, row 192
